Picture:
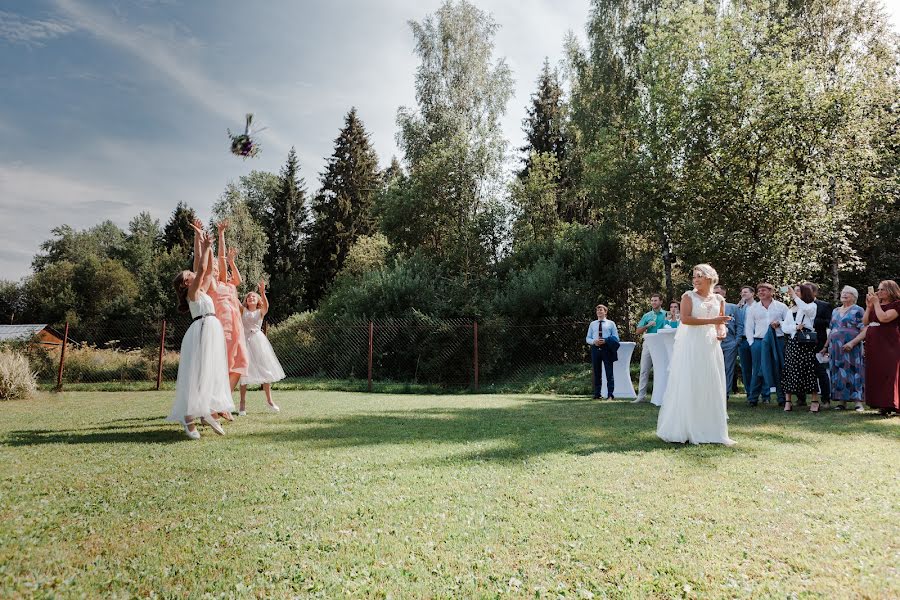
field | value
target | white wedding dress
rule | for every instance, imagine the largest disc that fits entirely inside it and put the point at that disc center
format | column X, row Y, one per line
column 694, row 408
column 202, row 386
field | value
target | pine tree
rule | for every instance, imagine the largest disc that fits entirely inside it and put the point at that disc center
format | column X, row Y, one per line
column 342, row 210
column 283, row 260
column 544, row 126
column 178, row 231
column 549, row 144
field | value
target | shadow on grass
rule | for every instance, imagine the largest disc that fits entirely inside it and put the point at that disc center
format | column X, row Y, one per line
column 533, row 427
column 151, row 431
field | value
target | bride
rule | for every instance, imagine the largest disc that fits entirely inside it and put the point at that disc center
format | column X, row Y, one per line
column 694, row 406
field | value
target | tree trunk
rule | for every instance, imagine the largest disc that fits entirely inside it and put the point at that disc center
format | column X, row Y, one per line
column 667, row 266
column 835, row 263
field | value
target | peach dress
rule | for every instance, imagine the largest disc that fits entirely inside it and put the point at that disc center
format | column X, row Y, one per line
column 228, row 311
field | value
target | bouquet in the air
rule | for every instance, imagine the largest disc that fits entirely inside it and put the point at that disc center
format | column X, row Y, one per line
column 244, row 144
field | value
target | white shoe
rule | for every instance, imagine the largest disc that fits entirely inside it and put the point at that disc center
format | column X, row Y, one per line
column 214, row 424
column 242, row 413
column 638, row 400
column 273, row 408
column 194, row 435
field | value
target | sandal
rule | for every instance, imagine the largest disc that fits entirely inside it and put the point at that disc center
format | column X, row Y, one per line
column 814, row 407
column 788, row 407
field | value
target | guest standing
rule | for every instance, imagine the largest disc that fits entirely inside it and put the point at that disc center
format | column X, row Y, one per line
column 603, row 338
column 740, row 319
column 651, row 322
column 820, row 323
column 883, row 348
column 799, row 374
column 763, row 316
column 729, row 344
column 844, row 351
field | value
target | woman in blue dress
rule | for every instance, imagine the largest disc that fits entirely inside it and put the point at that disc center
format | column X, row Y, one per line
column 844, row 351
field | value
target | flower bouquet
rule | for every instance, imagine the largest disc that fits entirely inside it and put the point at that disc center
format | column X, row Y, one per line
column 243, row 144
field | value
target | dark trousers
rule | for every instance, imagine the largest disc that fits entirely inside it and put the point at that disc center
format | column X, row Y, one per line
column 746, row 358
column 601, row 359
column 824, row 383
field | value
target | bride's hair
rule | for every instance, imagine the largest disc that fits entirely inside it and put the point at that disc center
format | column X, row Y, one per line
column 708, row 272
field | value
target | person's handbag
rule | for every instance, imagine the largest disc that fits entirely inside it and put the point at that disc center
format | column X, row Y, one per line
column 806, row 337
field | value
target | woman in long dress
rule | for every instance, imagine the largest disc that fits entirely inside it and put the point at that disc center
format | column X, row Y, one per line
column 201, row 390
column 694, row 406
column 882, row 319
column 228, row 310
column 844, row 350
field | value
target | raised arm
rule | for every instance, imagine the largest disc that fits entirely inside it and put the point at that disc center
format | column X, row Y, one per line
column 197, row 226
column 263, row 301
column 204, row 249
column 884, row 316
column 236, row 279
column 223, row 271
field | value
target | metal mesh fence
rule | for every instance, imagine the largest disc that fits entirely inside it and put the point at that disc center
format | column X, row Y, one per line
column 450, row 353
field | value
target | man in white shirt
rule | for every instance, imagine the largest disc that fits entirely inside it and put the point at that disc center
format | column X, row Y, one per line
column 603, row 339
column 766, row 314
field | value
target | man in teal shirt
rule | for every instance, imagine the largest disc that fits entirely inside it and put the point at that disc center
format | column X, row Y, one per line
column 651, row 322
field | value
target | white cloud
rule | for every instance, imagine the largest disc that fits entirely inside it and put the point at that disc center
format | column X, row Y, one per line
column 20, row 30
column 145, row 44
column 43, row 200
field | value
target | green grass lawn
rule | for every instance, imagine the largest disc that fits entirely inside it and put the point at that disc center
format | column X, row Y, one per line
column 346, row 494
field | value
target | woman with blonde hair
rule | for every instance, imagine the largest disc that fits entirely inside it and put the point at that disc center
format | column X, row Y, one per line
column 694, row 406
column 883, row 347
column 844, row 351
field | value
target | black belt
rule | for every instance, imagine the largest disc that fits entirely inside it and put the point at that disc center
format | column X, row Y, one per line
column 204, row 316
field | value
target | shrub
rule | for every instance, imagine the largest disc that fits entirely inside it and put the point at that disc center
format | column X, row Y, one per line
column 17, row 380
column 89, row 363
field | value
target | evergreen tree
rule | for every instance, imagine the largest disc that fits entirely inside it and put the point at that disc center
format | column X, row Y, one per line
column 544, row 126
column 286, row 217
column 178, row 232
column 342, row 210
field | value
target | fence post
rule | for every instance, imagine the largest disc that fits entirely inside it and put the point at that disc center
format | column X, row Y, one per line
column 62, row 359
column 475, row 351
column 371, row 346
column 162, row 349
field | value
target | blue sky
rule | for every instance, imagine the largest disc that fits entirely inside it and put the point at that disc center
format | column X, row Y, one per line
column 113, row 107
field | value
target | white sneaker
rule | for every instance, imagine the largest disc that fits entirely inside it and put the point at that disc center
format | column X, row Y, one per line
column 214, row 424
column 194, row 435
column 242, row 413
column 273, row 408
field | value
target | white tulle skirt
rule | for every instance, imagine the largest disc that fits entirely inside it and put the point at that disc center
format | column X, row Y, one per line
column 202, row 387
column 264, row 366
column 694, row 408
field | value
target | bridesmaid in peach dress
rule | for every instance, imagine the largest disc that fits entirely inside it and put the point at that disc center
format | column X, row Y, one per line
column 228, row 310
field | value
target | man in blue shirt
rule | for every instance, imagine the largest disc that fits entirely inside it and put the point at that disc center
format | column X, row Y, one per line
column 729, row 344
column 603, row 339
column 651, row 322
column 748, row 295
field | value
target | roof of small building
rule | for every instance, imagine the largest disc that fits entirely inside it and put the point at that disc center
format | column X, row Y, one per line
column 20, row 332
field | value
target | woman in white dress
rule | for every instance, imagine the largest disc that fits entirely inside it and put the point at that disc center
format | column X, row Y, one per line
column 263, row 367
column 694, row 407
column 202, row 388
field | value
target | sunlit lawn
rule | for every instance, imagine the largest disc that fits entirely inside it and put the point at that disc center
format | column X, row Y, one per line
column 347, row 494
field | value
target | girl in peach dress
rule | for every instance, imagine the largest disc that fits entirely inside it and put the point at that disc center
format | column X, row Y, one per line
column 228, row 311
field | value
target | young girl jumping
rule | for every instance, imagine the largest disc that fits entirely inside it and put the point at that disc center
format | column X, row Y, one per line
column 202, row 387
column 263, row 367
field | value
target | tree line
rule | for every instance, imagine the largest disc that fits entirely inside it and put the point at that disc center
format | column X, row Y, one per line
column 760, row 136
